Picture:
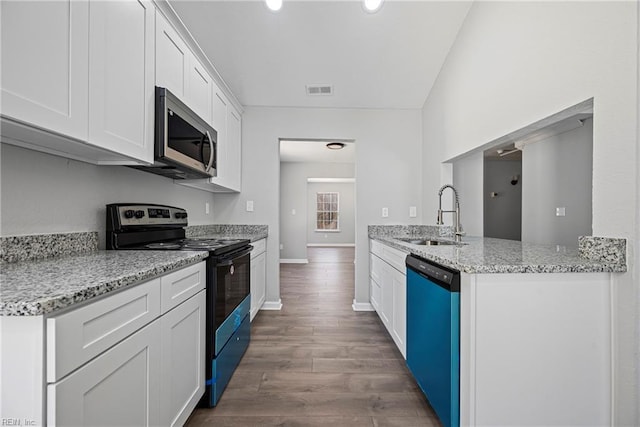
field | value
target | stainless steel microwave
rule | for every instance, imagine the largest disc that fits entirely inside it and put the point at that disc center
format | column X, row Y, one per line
column 185, row 144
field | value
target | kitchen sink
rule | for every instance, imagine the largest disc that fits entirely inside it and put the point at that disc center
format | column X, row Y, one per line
column 428, row 242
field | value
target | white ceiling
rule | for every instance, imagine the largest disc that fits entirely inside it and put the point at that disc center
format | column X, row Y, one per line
column 389, row 59
column 316, row 152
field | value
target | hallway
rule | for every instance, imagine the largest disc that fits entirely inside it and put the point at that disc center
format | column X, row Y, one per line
column 317, row 362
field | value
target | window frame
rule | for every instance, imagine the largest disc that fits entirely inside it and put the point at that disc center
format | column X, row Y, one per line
column 336, row 212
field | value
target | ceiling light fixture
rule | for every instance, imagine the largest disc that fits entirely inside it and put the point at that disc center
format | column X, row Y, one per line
column 274, row 5
column 372, row 6
column 335, row 145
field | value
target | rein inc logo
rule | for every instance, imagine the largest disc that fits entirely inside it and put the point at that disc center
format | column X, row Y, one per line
column 17, row 422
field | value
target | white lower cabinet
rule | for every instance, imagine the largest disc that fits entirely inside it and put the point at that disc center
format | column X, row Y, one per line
column 258, row 276
column 388, row 291
column 121, row 360
column 118, row 388
column 182, row 360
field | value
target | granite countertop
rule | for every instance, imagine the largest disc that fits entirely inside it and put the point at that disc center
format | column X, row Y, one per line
column 229, row 231
column 37, row 287
column 488, row 255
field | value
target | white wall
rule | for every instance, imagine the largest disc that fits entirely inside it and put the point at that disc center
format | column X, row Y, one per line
column 294, row 195
column 465, row 180
column 346, row 218
column 557, row 173
column 42, row 193
column 387, row 173
column 514, row 63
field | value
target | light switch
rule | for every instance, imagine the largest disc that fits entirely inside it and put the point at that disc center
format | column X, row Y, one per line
column 249, row 205
column 413, row 212
column 560, row 211
column 385, row 212
column 293, row 211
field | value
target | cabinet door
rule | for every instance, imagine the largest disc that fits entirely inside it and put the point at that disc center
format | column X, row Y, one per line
column 199, row 89
column 118, row 388
column 219, row 123
column 399, row 323
column 258, row 283
column 172, row 58
column 182, row 359
column 234, row 149
column 121, row 77
column 374, row 296
column 386, row 299
column 44, row 64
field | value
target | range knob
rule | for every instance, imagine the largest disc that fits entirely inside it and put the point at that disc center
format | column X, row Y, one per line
column 129, row 213
column 139, row 214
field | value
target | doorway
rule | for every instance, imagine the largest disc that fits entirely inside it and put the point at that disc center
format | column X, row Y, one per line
column 317, row 196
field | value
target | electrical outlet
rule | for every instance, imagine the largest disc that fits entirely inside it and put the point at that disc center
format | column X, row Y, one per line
column 413, row 212
column 560, row 211
column 385, row 212
column 281, row 246
column 249, row 205
column 206, row 208
column 293, row 211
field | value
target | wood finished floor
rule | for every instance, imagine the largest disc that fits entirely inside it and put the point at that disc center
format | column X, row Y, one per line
column 317, row 362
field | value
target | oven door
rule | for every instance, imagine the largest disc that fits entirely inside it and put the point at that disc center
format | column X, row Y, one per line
column 232, row 283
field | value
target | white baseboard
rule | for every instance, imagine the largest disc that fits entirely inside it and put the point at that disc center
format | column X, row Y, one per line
column 331, row 245
column 362, row 306
column 294, row 261
column 272, row 305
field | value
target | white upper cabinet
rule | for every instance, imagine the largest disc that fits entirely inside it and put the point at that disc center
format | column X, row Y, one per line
column 199, row 87
column 121, row 77
column 77, row 78
column 178, row 70
column 172, row 58
column 45, row 64
column 234, row 149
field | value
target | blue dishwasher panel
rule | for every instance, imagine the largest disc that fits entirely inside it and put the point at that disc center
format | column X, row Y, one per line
column 433, row 344
column 225, row 363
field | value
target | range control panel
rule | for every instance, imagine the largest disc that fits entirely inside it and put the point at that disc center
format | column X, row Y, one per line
column 148, row 215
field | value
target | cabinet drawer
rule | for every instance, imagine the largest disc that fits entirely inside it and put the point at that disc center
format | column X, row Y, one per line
column 78, row 336
column 258, row 247
column 394, row 257
column 181, row 285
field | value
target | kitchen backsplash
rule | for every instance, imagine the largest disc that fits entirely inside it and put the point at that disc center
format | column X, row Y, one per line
column 225, row 229
column 41, row 246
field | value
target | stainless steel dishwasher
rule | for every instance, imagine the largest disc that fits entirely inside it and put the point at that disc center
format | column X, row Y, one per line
column 433, row 335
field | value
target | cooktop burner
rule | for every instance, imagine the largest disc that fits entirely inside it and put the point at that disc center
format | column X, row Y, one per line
column 212, row 245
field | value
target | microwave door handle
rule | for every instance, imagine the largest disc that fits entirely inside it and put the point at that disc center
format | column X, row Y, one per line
column 211, row 152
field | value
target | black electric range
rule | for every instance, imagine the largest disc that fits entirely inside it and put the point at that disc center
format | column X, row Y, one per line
column 144, row 226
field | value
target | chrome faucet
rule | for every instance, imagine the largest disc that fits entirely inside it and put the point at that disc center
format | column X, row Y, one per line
column 458, row 231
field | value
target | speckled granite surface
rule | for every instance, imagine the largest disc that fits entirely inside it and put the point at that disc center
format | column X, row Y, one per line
column 40, row 287
column 603, row 249
column 42, row 246
column 228, row 231
column 411, row 230
column 487, row 255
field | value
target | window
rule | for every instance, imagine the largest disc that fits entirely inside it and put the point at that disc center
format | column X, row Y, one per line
column 327, row 211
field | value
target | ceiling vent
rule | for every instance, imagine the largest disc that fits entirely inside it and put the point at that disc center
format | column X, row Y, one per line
column 316, row 90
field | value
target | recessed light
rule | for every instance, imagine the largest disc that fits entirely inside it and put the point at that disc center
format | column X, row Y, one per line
column 335, row 145
column 372, row 6
column 274, row 5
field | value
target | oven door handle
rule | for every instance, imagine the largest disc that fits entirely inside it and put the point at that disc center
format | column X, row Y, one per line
column 228, row 260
